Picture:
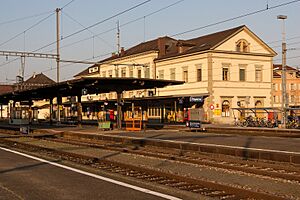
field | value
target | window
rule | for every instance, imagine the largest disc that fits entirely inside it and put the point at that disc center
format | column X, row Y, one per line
column 147, row 71
column 242, row 46
column 110, row 73
column 130, row 71
column 292, row 98
column 277, row 99
column 258, row 104
column 242, row 74
column 172, row 74
column 139, row 73
column 123, row 72
column 104, row 74
column 293, row 86
column 225, row 74
column 199, row 73
column 225, row 108
column 161, row 74
column 274, row 86
column 117, row 72
column 93, row 69
column 130, row 94
column 258, row 73
column 185, row 74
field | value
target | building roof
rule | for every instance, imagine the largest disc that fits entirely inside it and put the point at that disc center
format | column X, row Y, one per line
column 83, row 73
column 39, row 79
column 193, row 45
column 206, row 42
column 92, row 85
column 168, row 47
column 6, row 89
column 288, row 68
column 276, row 75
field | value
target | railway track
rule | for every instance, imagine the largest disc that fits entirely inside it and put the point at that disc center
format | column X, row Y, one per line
column 270, row 170
column 198, row 186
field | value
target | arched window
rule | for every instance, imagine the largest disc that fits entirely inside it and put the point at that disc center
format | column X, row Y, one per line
column 225, row 108
column 258, row 104
column 242, row 46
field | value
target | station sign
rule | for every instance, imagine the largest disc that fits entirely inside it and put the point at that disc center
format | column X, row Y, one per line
column 194, row 124
column 197, row 99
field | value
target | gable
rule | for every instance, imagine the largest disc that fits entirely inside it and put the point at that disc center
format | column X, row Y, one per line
column 256, row 45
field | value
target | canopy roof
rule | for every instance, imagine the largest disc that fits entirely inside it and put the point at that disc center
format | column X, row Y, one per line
column 91, row 85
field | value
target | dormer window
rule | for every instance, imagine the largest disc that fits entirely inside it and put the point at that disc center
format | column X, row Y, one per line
column 93, row 69
column 242, row 46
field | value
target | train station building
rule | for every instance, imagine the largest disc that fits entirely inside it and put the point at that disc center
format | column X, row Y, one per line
column 224, row 70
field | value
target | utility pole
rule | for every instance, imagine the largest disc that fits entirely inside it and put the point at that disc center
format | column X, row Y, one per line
column 57, row 42
column 118, row 38
column 57, row 61
column 284, row 103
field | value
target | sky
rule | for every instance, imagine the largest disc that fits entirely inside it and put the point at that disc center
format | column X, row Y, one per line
column 31, row 26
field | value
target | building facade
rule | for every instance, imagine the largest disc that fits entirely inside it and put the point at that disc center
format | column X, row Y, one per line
column 230, row 66
column 292, row 86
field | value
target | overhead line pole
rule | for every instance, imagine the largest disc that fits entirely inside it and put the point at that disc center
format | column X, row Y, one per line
column 57, row 61
column 57, row 42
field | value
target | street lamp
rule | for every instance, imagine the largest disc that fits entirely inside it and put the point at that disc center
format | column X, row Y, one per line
column 284, row 103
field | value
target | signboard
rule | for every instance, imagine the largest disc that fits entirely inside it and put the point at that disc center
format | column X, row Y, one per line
column 194, row 124
column 84, row 91
column 217, row 112
column 196, row 114
column 198, row 99
column 24, row 130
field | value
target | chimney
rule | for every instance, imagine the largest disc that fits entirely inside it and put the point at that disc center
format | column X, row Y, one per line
column 122, row 51
column 161, row 43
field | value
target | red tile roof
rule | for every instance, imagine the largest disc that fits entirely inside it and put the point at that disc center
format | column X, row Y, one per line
column 6, row 89
column 279, row 67
column 172, row 46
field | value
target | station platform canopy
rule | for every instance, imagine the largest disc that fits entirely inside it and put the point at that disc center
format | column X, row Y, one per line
column 86, row 85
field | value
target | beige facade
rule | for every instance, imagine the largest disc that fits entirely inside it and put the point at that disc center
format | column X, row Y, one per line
column 237, row 67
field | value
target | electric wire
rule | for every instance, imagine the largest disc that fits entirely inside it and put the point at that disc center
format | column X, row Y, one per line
column 96, row 24
column 67, row 4
column 93, row 34
column 237, row 17
column 29, row 28
column 24, row 18
column 122, row 25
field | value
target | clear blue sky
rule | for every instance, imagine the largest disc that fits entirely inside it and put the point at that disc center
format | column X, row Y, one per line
column 185, row 15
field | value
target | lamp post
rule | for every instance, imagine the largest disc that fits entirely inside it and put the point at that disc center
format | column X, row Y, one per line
column 284, row 103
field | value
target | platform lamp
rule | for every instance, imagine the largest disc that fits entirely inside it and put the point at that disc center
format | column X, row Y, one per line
column 284, row 103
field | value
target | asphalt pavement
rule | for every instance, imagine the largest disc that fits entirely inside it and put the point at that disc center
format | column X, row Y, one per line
column 25, row 178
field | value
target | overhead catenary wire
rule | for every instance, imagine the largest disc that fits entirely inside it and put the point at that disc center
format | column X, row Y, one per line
column 121, row 25
column 96, row 24
column 237, row 17
column 67, row 4
column 29, row 28
column 87, row 29
column 24, row 18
